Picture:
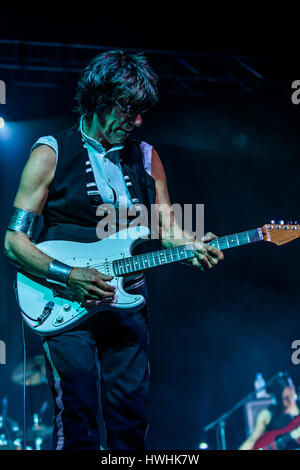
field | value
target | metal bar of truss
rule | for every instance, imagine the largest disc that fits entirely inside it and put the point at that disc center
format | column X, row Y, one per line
column 35, row 62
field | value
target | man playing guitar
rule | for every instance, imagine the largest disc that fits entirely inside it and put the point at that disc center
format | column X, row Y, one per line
column 67, row 176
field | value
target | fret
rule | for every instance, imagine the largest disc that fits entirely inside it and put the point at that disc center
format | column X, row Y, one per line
column 236, row 239
column 149, row 260
column 116, row 268
column 231, row 240
column 156, row 259
column 146, row 261
column 120, row 268
column 131, row 264
column 243, row 238
column 142, row 260
column 136, row 262
column 181, row 252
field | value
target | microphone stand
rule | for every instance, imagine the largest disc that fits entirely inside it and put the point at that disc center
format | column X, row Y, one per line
column 220, row 423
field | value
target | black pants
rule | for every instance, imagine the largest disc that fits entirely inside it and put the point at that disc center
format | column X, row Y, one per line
column 106, row 354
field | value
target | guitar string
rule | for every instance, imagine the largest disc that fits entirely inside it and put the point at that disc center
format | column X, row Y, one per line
column 170, row 251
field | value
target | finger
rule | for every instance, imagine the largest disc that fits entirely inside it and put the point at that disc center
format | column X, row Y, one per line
column 93, row 290
column 104, row 286
column 90, row 297
column 201, row 247
column 208, row 236
column 213, row 261
column 207, row 250
column 104, row 276
column 196, row 264
column 93, row 302
column 203, row 260
column 214, row 252
column 193, row 263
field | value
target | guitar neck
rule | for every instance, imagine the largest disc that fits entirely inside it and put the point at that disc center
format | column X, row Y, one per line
column 138, row 263
column 152, row 259
column 237, row 239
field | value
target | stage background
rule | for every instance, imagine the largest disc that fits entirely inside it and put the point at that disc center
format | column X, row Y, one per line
column 210, row 332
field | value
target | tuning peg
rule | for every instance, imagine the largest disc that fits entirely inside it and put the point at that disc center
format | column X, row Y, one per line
column 281, row 222
column 273, row 222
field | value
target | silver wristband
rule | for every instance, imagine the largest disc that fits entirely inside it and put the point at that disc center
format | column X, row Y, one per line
column 58, row 273
column 23, row 221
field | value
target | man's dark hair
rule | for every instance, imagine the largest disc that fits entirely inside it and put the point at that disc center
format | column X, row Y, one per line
column 127, row 78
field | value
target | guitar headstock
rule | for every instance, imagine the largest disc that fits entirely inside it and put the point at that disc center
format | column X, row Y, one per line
column 280, row 233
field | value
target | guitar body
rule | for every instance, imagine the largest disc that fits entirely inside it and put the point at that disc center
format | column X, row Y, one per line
column 49, row 309
column 268, row 440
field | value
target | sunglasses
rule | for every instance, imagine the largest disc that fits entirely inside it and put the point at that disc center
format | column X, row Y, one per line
column 128, row 110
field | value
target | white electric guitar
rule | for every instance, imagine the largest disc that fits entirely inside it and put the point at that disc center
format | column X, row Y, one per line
column 48, row 308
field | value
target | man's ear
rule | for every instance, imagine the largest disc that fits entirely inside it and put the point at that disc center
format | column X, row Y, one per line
column 138, row 121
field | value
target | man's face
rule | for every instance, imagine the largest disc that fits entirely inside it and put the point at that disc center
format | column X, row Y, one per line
column 288, row 397
column 115, row 125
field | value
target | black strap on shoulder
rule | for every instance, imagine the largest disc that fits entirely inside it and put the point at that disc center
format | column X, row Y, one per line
column 132, row 167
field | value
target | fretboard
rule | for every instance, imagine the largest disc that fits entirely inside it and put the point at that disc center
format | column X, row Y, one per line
column 153, row 259
column 237, row 239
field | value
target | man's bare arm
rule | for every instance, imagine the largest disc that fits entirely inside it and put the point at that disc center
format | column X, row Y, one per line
column 31, row 196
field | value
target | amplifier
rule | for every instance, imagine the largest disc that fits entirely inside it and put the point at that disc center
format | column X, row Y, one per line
column 251, row 410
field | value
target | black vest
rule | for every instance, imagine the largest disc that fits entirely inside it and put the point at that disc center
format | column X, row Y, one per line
column 279, row 419
column 70, row 213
